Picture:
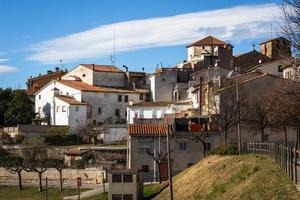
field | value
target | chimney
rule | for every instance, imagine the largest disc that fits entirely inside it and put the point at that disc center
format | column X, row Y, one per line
column 56, row 69
column 125, row 68
column 49, row 72
column 93, row 66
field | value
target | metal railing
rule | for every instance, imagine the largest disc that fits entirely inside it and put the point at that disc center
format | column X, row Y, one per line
column 286, row 157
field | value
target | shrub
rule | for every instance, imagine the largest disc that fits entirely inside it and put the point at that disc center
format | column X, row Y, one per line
column 58, row 131
column 78, row 164
column 5, row 138
column 36, row 141
column 19, row 138
column 229, row 150
column 58, row 140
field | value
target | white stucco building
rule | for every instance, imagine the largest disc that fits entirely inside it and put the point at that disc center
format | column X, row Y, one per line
column 89, row 94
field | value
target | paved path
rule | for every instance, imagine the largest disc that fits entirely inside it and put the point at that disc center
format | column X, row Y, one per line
column 89, row 193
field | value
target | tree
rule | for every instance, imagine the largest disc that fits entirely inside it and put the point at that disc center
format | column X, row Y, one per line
column 58, row 163
column 15, row 165
column 91, row 133
column 5, row 96
column 36, row 160
column 223, row 109
column 158, row 158
column 20, row 109
column 291, row 21
column 257, row 114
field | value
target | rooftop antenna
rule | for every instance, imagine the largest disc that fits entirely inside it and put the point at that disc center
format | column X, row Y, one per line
column 114, row 47
column 271, row 30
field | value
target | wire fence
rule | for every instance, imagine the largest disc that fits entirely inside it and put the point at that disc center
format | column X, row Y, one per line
column 286, row 157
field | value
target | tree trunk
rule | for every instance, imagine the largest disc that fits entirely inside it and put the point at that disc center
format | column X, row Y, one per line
column 40, row 182
column 159, row 174
column 262, row 134
column 225, row 138
column 60, row 181
column 20, row 180
column 285, row 136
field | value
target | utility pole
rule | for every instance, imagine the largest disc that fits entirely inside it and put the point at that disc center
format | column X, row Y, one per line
column 169, row 164
column 238, row 117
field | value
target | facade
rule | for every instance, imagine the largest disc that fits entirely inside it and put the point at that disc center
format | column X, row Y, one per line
column 292, row 71
column 125, row 184
column 78, row 99
column 276, row 48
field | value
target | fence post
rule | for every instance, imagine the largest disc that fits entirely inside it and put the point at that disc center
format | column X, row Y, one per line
column 295, row 166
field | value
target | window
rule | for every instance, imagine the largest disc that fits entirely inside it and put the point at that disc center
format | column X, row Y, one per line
column 76, row 108
column 119, row 98
column 64, row 108
column 40, row 96
column 117, row 178
column 126, row 113
column 145, row 168
column 83, row 75
column 182, row 146
column 99, row 110
column 116, row 197
column 94, row 122
column 126, row 98
column 280, row 68
column 127, row 197
column 117, row 112
column 207, row 146
column 144, row 82
column 141, row 96
column 127, row 178
column 57, row 108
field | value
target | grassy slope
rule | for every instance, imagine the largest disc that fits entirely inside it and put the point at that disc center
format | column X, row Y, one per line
column 232, row 177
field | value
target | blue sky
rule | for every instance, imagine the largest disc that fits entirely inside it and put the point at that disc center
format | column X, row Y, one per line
column 35, row 34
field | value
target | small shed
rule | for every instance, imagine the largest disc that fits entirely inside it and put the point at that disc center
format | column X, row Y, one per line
column 125, row 184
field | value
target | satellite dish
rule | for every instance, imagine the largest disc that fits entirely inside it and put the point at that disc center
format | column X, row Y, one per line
column 230, row 74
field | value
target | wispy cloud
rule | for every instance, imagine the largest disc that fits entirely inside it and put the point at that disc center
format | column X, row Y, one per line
column 6, row 68
column 234, row 24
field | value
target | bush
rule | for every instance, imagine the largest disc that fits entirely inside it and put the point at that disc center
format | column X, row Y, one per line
column 36, row 141
column 58, row 131
column 78, row 164
column 5, row 138
column 19, row 138
column 229, row 150
column 58, row 140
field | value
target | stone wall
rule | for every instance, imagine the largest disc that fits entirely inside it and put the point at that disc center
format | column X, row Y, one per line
column 88, row 176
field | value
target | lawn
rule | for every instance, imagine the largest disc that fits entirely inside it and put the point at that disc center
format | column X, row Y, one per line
column 31, row 193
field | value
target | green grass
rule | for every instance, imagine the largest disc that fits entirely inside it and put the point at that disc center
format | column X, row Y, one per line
column 32, row 193
column 103, row 196
column 233, row 177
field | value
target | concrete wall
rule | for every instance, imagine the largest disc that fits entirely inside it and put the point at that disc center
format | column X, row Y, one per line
column 115, row 133
column 109, row 79
column 108, row 102
column 88, row 176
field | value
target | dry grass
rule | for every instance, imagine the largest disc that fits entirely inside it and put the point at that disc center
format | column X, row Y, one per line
column 232, row 177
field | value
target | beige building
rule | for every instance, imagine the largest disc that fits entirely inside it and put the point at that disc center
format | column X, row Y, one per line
column 125, row 184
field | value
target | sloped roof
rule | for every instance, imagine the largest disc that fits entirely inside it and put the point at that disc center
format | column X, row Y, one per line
column 70, row 100
column 250, row 59
column 148, row 129
column 82, row 86
column 273, row 39
column 210, row 40
column 103, row 68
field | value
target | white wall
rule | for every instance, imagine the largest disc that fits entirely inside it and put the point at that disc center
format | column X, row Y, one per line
column 147, row 113
column 82, row 72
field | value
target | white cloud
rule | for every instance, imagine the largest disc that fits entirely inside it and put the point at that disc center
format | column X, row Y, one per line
column 234, row 24
column 3, row 60
column 7, row 69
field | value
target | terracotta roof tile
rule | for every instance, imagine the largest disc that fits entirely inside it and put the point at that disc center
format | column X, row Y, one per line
column 148, row 129
column 103, row 68
column 70, row 100
column 210, row 40
column 82, row 86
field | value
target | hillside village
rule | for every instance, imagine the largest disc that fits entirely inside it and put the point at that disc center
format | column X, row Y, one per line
column 132, row 121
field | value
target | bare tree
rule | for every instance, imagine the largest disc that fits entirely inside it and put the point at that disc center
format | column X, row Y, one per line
column 36, row 160
column 57, row 161
column 15, row 165
column 290, row 26
column 158, row 158
column 91, row 133
column 223, row 109
column 257, row 114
